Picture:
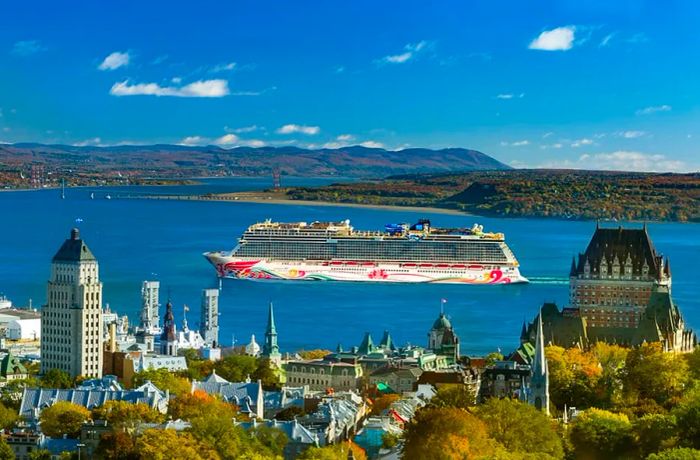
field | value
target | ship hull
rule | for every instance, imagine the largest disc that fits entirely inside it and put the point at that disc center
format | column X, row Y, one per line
column 228, row 266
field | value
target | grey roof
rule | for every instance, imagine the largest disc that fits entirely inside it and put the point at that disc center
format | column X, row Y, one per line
column 243, row 394
column 295, row 431
column 34, row 400
column 74, row 250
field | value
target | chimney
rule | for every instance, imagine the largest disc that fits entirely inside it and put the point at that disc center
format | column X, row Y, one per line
column 75, row 234
column 113, row 337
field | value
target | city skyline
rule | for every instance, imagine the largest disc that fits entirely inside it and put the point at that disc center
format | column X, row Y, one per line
column 591, row 86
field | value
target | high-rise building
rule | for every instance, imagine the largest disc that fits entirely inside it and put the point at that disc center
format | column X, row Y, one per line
column 271, row 350
column 71, row 320
column 209, row 319
column 150, row 319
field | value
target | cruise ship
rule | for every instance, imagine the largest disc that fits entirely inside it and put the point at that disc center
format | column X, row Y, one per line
column 335, row 251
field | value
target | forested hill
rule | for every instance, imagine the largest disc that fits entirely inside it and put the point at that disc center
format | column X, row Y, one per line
column 174, row 161
column 569, row 194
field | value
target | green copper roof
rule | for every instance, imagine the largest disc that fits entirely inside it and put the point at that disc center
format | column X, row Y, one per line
column 442, row 322
column 11, row 365
column 74, row 250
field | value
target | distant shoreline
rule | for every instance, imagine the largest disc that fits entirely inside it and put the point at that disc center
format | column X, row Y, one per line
column 273, row 198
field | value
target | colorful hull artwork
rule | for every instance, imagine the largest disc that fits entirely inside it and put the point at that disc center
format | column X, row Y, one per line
column 362, row 271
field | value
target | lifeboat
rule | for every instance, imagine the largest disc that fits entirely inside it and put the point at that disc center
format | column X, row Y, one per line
column 425, row 265
column 475, row 267
column 409, row 265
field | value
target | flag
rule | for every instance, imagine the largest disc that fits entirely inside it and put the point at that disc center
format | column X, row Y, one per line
column 443, row 300
column 187, row 308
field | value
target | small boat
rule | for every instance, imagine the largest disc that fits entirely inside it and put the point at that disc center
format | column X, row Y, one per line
column 108, row 197
column 92, row 195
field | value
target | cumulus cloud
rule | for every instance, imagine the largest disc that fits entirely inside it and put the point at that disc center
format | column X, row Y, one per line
column 515, row 143
column 345, row 138
column 201, row 88
column 409, row 52
column 193, row 140
column 292, row 129
column 227, row 140
column 559, row 39
column 623, row 160
column 27, row 48
column 114, row 61
column 243, row 129
column 372, row 144
column 654, row 109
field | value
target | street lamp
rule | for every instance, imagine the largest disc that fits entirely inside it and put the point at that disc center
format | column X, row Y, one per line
column 80, row 445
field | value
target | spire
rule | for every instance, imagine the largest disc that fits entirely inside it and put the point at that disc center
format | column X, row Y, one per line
column 539, row 363
column 367, row 345
column 573, row 266
column 539, row 380
column 270, row 347
column 523, row 333
column 386, row 342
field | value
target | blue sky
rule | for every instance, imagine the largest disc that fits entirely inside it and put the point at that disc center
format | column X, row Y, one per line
column 610, row 85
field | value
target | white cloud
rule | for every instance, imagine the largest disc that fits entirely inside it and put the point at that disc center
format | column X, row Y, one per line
column 581, row 142
column 623, row 160
column 372, row 144
column 201, row 88
column 228, row 139
column 176, row 80
column 292, row 129
column 27, row 48
column 547, row 134
column 223, row 67
column 95, row 141
column 654, row 109
column 244, row 129
column 606, row 40
column 510, row 96
column 410, row 51
column 559, row 39
column 345, row 138
column 515, row 143
column 115, row 60
column 557, row 145
column 193, row 140
column 631, row 134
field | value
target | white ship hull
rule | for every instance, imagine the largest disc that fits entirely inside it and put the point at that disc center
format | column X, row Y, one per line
column 363, row 271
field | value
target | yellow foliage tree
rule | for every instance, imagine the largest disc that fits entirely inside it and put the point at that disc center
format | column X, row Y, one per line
column 63, row 418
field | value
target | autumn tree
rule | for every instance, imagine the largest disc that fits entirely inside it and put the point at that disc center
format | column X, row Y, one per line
column 687, row 414
column 520, row 428
column 654, row 432
column 333, row 452
column 236, row 368
column 6, row 452
column 163, row 379
column 155, row 444
column 63, row 418
column 117, row 445
column 126, row 415
column 8, row 417
column 189, row 406
column 454, row 395
column 611, row 359
column 273, row 439
column 573, row 376
column 56, row 378
column 443, row 433
column 383, row 402
column 599, row 434
column 317, row 353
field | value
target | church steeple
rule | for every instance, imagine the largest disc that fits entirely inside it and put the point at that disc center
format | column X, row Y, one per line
column 168, row 339
column 539, row 373
column 271, row 350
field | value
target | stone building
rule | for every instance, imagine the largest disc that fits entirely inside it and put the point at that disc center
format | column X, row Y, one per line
column 71, row 322
column 324, row 374
column 443, row 340
column 620, row 292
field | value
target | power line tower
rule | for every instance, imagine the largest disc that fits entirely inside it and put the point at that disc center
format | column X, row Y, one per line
column 276, row 181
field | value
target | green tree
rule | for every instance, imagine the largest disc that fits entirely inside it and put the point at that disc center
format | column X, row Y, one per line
column 63, row 418
column 155, row 444
column 454, row 395
column 40, row 454
column 445, row 433
column 6, row 452
column 56, row 378
column 520, row 428
column 390, row 440
column 679, row 453
column 599, row 434
column 655, row 432
column 269, row 379
column 651, row 373
column 273, row 439
column 573, row 376
column 8, row 417
column 189, row 406
column 117, row 445
column 230, row 442
column 236, row 368
column 164, row 380
column 383, row 402
column 687, row 415
column 693, row 360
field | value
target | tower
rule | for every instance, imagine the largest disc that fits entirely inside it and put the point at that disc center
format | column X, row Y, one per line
column 443, row 340
column 71, row 320
column 150, row 304
column 539, row 373
column 271, row 350
column 209, row 320
column 168, row 339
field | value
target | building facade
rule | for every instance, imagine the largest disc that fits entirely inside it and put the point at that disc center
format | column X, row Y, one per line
column 71, row 322
column 209, row 319
column 323, row 374
column 150, row 303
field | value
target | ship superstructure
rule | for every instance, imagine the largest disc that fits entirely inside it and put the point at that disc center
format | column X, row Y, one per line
column 401, row 253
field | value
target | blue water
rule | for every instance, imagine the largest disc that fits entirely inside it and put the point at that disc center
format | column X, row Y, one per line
column 155, row 239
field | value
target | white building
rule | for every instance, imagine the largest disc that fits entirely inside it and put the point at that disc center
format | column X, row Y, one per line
column 24, row 329
column 209, row 320
column 71, row 322
column 150, row 319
